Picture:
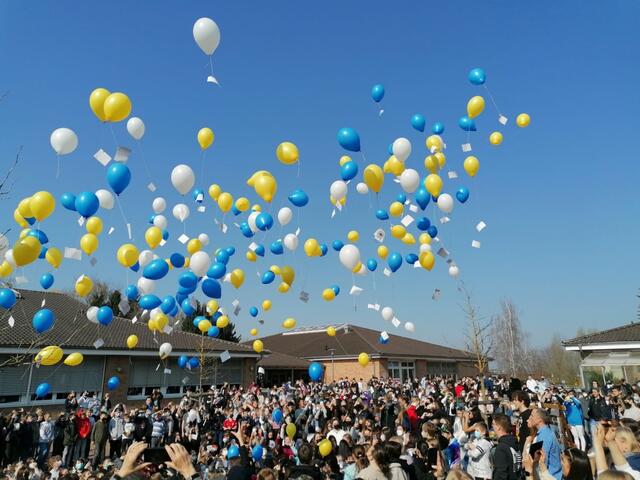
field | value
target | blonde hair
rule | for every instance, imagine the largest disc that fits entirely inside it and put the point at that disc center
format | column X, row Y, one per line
column 627, row 436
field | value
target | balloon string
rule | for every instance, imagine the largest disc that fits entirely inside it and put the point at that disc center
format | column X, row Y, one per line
column 123, row 217
column 144, row 161
column 364, row 159
column 113, row 134
column 491, row 98
column 201, row 164
column 58, row 166
column 211, row 65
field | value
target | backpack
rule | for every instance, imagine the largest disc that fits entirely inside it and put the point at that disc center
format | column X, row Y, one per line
column 515, row 472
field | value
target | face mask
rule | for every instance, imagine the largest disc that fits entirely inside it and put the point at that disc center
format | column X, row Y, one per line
column 79, row 466
column 477, row 434
column 399, row 432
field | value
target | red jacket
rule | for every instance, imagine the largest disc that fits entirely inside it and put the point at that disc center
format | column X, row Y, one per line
column 83, row 426
column 459, row 389
column 413, row 418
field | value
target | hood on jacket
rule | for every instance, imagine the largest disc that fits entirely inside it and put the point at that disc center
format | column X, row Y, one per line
column 509, row 440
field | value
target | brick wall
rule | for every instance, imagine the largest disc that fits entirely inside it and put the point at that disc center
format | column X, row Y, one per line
column 248, row 371
column 467, row 369
column 352, row 369
column 119, row 366
column 421, row 368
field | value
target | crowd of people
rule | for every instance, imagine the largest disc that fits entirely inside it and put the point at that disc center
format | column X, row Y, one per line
column 381, row 429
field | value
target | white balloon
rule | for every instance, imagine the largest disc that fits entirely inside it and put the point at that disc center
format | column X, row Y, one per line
column 181, row 212
column 290, row 241
column 160, row 221
column 145, row 258
column 401, row 148
column 135, row 127
column 251, row 221
column 445, row 203
column 410, row 180
column 387, row 313
column 285, row 214
column 145, row 285
column 206, row 34
column 338, row 190
column 159, row 204
column 204, row 239
column 63, row 141
column 425, row 247
column 362, row 188
column 105, row 199
column 183, row 178
column 349, row 256
column 154, row 313
column 409, row 327
column 92, row 314
column 8, row 256
column 454, row 271
column 200, row 263
column 165, row 350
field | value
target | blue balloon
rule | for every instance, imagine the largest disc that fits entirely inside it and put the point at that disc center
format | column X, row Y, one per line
column 390, row 149
column 299, row 198
column 174, row 312
column 118, row 177
column 43, row 252
column 177, row 260
column 336, row 289
column 39, row 234
column 196, row 193
column 422, row 197
column 259, row 250
column 277, row 247
column 245, row 229
column 187, row 279
column 105, row 315
column 394, row 261
column 377, row 92
column 253, row 311
column 432, row 231
column 434, row 198
column 230, row 251
column 113, row 383
column 349, row 139
column 186, row 291
column 151, row 219
column 277, row 415
column 411, row 258
column 131, row 292
column 135, row 267
column 211, row 288
column 337, row 245
column 68, row 201
column 156, row 269
column 423, row 224
column 194, row 362
column 315, row 371
column 372, row 264
column 187, row 308
column 149, row 302
column 233, row 452
column 383, row 341
column 31, row 220
column 87, row 204
column 43, row 320
column 467, row 124
column 256, row 452
column 401, row 197
column 43, row 390
column 437, row 128
column 181, row 297
column 222, row 256
column 213, row 331
column 182, row 361
column 46, row 280
column 349, row 170
column 217, row 270
column 323, row 249
column 477, row 76
column 418, row 122
column 235, row 210
column 168, row 304
column 462, row 194
column 264, row 221
column 165, row 234
column 268, row 277
column 382, row 215
column 197, row 320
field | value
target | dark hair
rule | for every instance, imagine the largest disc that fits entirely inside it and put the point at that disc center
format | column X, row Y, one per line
column 580, row 468
column 360, row 455
column 305, row 453
column 501, row 421
column 344, row 449
column 266, row 474
column 521, row 397
column 379, row 454
column 393, row 450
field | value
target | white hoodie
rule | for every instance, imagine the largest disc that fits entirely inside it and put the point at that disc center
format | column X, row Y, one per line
column 479, row 451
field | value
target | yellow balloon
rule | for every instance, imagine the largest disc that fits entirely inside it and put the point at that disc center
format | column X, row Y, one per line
column 344, row 159
column 256, row 208
column 383, row 251
column 424, row 238
column 73, row 359
column 373, row 177
column 251, row 256
column 5, row 269
column 475, row 106
column 237, row 278
column 153, row 236
column 289, row 323
column 242, row 204
column 204, row 325
column 331, row 331
column 284, row 287
column 471, row 165
column 222, row 321
column 353, row 236
column 205, row 138
column 127, row 255
column 24, row 207
column 287, row 153
column 187, row 261
column 266, row 305
column 152, row 325
column 132, row 341
column 89, row 243
column 408, row 239
column 311, row 246
column 96, row 102
column 258, row 346
column 225, row 202
column 275, row 269
column 84, row 285
column 194, row 245
column 433, row 184
column 343, row 200
column 288, row 274
column 26, row 251
column 328, row 294
column 431, row 163
column 291, row 430
column 427, row 260
column 442, row 159
column 117, row 107
column 253, row 332
column 214, row 192
column 23, row 233
column 162, row 320
column 396, row 209
column 363, row 359
column 252, row 179
column 434, row 143
column 495, row 138
column 20, row 219
column 393, row 166
column 42, row 204
column 54, row 257
column 398, row 231
column 325, row 447
column 266, row 187
column 523, row 120
column 49, row 355
column 212, row 306
column 94, row 225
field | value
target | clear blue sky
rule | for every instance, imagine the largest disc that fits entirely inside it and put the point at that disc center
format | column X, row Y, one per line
column 559, row 197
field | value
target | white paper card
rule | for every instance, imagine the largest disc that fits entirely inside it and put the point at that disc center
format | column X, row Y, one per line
column 167, row 371
column 445, row 219
column 407, row 220
column 129, row 230
column 183, row 239
column 202, row 209
column 371, row 306
column 466, row 147
column 212, row 79
column 304, row 296
column 98, row 343
column 452, row 175
column 163, row 242
column 199, row 197
column 44, row 301
column 379, row 235
column 12, row 321
column 123, row 306
column 387, row 272
column 333, row 213
column 21, row 280
column 81, row 221
column 339, row 206
column 395, row 322
column 167, row 329
column 481, row 226
column 253, row 246
column 355, row 290
column 235, row 303
column 475, row 244
column 384, row 336
column 503, row 120
column 224, row 356
column 151, row 187
column 443, row 252
column 297, row 231
column 413, row 208
column 102, row 157
column 134, row 319
column 122, row 154
column 434, row 149
column 224, row 228
column 72, row 253
column 93, row 261
column 111, row 230
column 416, row 265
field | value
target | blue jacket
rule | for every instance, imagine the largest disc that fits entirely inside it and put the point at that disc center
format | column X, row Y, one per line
column 574, row 411
column 552, row 450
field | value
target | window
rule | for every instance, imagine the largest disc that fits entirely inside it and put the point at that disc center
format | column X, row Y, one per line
column 441, row 368
column 401, row 370
column 9, row 398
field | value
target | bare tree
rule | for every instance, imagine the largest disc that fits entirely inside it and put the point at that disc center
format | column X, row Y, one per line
column 479, row 340
column 511, row 351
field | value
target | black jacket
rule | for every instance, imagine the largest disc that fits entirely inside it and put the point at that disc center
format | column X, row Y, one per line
column 242, row 471
column 70, row 434
column 599, row 410
column 504, row 467
column 310, row 470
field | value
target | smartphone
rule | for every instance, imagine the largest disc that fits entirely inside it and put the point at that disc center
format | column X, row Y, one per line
column 155, row 455
column 432, row 456
column 534, row 448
